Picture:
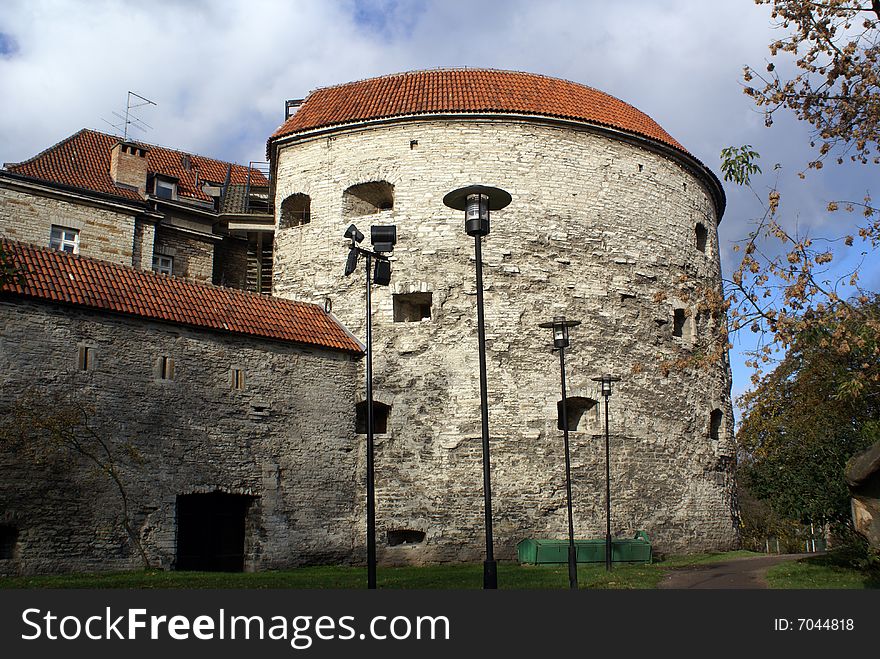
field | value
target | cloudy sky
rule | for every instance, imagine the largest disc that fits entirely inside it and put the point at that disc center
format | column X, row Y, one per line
column 220, row 72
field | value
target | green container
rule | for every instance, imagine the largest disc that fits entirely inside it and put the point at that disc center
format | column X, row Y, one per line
column 534, row 551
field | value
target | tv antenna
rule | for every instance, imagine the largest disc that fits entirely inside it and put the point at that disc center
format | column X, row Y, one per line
column 128, row 119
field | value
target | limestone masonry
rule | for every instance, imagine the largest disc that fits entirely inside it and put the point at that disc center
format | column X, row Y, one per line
column 602, row 227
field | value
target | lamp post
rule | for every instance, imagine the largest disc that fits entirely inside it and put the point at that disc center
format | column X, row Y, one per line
column 560, row 326
column 383, row 239
column 606, row 381
column 477, row 201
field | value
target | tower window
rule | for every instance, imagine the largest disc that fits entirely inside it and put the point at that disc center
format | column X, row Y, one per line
column 380, row 418
column 296, row 210
column 367, row 198
column 412, row 307
column 701, row 234
column 583, row 413
column 716, row 418
column 678, row 322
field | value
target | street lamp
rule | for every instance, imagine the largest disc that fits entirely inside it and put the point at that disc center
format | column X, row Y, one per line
column 476, row 201
column 560, row 326
column 605, row 390
column 383, row 239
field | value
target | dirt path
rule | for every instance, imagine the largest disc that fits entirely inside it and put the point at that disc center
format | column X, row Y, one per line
column 747, row 572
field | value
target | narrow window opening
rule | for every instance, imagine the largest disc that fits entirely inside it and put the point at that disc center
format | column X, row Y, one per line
column 716, row 418
column 296, row 210
column 165, row 369
column 405, row 537
column 412, row 307
column 701, row 235
column 8, row 540
column 238, row 379
column 381, row 412
column 86, row 358
column 678, row 322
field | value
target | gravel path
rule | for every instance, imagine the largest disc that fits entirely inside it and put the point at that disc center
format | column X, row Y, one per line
column 747, row 572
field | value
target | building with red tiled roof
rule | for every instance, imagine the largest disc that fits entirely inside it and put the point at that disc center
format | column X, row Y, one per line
column 226, row 418
column 143, row 205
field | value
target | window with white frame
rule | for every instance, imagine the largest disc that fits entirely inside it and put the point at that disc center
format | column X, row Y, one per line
column 64, row 239
column 163, row 264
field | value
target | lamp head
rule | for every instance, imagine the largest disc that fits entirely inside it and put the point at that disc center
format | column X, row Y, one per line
column 476, row 201
column 560, row 326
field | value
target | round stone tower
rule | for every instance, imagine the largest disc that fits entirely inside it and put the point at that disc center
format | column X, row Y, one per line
column 612, row 222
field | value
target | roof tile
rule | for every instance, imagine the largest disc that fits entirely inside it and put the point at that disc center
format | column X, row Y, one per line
column 56, row 276
column 468, row 90
column 83, row 161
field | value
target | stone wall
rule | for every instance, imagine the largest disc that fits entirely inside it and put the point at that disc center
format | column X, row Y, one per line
column 287, row 439
column 230, row 262
column 599, row 230
column 193, row 256
column 104, row 233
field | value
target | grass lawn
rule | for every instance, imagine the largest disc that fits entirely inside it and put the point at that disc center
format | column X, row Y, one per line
column 831, row 570
column 463, row 576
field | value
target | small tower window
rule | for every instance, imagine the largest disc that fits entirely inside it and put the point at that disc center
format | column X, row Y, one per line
column 367, row 198
column 583, row 413
column 296, row 210
column 716, row 418
column 701, row 234
column 380, row 418
column 412, row 307
column 678, row 322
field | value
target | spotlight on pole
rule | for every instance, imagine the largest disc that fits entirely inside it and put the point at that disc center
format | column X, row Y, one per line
column 476, row 201
column 383, row 238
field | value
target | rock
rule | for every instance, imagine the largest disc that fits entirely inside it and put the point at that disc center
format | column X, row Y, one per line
column 863, row 479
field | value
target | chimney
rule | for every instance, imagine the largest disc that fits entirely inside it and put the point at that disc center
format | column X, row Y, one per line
column 128, row 166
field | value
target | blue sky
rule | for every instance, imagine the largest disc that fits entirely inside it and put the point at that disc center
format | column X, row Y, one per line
column 220, row 73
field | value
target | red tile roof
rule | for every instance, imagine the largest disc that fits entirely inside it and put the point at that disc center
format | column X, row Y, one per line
column 83, row 161
column 55, row 276
column 468, row 90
